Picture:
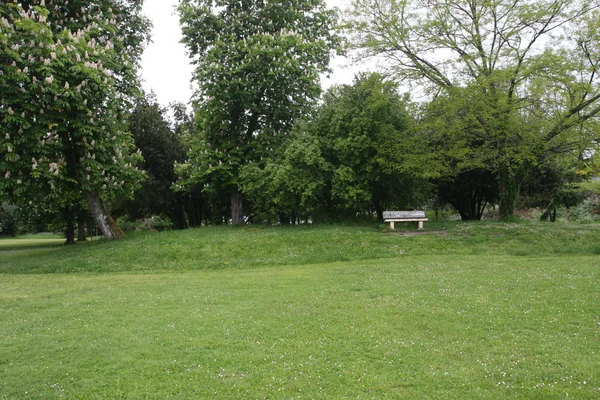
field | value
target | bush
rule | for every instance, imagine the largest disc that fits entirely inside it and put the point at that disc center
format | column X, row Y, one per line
column 8, row 224
column 156, row 222
column 161, row 223
column 126, row 224
column 585, row 211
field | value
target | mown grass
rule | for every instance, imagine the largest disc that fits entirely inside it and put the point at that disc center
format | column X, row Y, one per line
column 317, row 312
column 29, row 241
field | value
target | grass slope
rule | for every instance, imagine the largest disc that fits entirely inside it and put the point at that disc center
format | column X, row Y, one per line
column 487, row 311
column 250, row 247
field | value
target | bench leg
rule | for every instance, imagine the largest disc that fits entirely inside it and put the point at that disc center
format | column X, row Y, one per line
column 421, row 225
column 392, row 226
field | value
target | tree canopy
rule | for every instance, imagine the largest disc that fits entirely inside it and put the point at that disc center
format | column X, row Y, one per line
column 354, row 157
column 257, row 67
column 67, row 73
column 521, row 76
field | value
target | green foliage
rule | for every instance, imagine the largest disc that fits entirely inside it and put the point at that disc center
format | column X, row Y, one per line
column 66, row 71
column 468, row 192
column 356, row 155
column 551, row 185
column 162, row 146
column 509, row 82
column 586, row 211
column 152, row 223
column 257, row 66
column 8, row 225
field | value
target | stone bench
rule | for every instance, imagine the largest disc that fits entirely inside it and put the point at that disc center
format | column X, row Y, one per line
column 392, row 217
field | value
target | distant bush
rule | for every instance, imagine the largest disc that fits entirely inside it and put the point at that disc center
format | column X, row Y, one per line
column 127, row 224
column 8, row 224
column 585, row 211
column 161, row 223
column 156, row 222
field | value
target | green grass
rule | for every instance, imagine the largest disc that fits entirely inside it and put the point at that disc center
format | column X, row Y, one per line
column 486, row 311
column 251, row 247
column 22, row 242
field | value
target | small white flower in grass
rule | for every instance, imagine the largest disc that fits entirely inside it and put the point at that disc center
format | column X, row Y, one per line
column 10, row 111
column 19, row 182
column 7, row 175
column 66, row 85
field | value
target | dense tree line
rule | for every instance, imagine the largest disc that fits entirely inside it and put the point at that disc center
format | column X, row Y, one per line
column 502, row 109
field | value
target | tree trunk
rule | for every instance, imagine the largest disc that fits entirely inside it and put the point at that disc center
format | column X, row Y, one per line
column 284, row 219
column 81, row 226
column 70, row 232
column 80, row 232
column 378, row 209
column 237, row 215
column 104, row 222
column 509, row 192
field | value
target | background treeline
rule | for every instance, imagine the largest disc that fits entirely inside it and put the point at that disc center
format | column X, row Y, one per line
column 501, row 113
column 363, row 149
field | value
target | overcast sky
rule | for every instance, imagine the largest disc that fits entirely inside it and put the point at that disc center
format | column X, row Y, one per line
column 165, row 66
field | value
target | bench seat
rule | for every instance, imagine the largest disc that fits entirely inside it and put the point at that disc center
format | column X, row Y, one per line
column 392, row 217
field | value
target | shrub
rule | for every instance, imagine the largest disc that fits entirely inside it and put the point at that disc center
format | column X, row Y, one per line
column 8, row 225
column 585, row 211
column 156, row 222
column 126, row 224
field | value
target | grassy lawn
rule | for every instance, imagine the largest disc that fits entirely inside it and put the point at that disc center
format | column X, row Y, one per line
column 481, row 310
column 30, row 241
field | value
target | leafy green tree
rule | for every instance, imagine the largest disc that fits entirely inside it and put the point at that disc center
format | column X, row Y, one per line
column 469, row 192
column 554, row 183
column 67, row 71
column 527, row 70
column 356, row 156
column 257, row 67
column 162, row 146
column 293, row 183
column 365, row 133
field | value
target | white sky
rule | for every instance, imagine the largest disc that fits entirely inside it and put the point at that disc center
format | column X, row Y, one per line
column 165, row 66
